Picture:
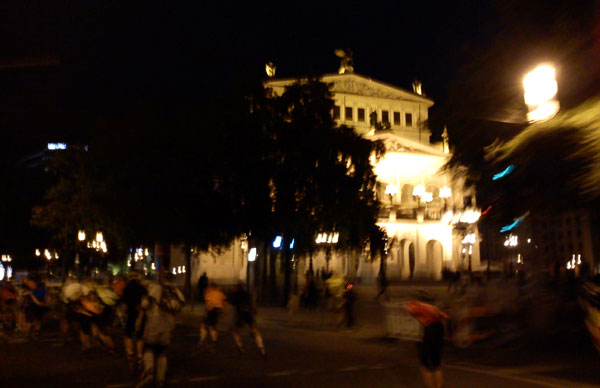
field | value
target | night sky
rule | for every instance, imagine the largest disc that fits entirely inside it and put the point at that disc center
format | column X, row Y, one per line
column 63, row 64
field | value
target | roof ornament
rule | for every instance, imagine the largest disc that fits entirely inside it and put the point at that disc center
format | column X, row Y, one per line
column 346, row 61
column 417, row 85
column 270, row 69
column 445, row 140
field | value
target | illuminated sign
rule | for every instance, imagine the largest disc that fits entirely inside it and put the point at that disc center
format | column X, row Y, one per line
column 57, row 146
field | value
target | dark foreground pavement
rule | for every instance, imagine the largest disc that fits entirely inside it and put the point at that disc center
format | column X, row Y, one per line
column 302, row 355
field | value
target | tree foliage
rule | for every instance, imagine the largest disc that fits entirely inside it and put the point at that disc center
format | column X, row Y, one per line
column 201, row 173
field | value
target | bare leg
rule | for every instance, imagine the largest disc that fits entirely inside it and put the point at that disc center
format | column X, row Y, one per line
column 259, row 340
column 203, row 334
column 439, row 377
column 106, row 340
column 131, row 353
column 214, row 334
column 140, row 351
column 428, row 377
column 148, row 372
column 85, row 340
column 238, row 339
column 161, row 368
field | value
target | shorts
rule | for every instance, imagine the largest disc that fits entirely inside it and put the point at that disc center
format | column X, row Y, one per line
column 106, row 318
column 130, row 325
column 85, row 323
column 430, row 350
column 33, row 312
column 244, row 318
column 212, row 317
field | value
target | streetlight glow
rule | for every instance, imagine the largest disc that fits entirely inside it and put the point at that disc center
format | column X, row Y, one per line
column 81, row 235
column 540, row 90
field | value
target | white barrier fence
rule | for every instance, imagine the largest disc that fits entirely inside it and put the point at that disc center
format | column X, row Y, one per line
column 400, row 324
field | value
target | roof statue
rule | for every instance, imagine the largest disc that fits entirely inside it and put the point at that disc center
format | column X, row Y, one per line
column 417, row 87
column 270, row 69
column 346, row 61
column 445, row 138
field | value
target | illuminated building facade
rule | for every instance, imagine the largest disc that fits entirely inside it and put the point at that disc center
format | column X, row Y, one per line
column 429, row 219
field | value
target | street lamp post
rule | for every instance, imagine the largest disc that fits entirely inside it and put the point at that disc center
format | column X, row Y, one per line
column 445, row 193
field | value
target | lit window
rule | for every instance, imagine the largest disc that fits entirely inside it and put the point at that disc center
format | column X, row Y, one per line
column 336, row 112
column 385, row 116
column 397, row 118
column 348, row 113
column 409, row 119
column 361, row 114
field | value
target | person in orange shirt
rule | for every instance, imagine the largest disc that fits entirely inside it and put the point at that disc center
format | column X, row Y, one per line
column 214, row 302
column 430, row 348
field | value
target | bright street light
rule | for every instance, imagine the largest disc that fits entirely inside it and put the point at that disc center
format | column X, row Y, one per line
column 540, row 91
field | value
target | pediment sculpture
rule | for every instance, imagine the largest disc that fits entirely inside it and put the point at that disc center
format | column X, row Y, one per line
column 362, row 89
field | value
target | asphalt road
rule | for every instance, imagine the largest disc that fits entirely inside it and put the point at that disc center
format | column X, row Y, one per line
column 297, row 357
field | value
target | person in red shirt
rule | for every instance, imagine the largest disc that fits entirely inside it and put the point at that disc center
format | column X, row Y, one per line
column 430, row 348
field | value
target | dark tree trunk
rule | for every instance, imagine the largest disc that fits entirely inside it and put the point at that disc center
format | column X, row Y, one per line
column 163, row 256
column 287, row 265
column 263, row 270
column 187, row 285
column 273, row 274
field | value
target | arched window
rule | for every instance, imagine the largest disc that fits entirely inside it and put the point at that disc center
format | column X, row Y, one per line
column 406, row 195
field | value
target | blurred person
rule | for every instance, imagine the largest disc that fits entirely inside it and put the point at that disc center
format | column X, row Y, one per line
column 430, row 348
column 383, row 283
column 9, row 305
column 346, row 307
column 118, row 285
column 162, row 302
column 214, row 302
column 90, row 310
column 106, row 300
column 37, row 307
column 133, row 293
column 310, row 292
column 120, row 308
column 244, row 316
column 72, row 293
column 202, row 284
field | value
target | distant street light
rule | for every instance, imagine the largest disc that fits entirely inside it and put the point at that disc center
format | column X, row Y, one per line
column 327, row 239
column 540, row 91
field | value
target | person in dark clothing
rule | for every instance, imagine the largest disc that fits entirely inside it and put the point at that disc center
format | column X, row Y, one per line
column 430, row 348
column 347, row 306
column 202, row 284
column 37, row 308
column 242, row 302
column 133, row 293
column 383, row 286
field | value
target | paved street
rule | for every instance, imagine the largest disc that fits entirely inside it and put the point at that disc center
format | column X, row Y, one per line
column 301, row 354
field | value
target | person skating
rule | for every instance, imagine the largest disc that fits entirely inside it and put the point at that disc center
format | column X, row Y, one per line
column 430, row 348
column 37, row 307
column 161, row 304
column 383, row 287
column 133, row 293
column 214, row 302
column 244, row 316
column 346, row 308
column 73, row 312
column 202, row 284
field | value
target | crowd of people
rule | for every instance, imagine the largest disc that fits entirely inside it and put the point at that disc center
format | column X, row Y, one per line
column 94, row 309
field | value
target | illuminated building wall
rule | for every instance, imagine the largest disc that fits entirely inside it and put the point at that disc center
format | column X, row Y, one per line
column 422, row 241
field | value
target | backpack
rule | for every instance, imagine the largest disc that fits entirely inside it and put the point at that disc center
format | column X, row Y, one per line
column 171, row 299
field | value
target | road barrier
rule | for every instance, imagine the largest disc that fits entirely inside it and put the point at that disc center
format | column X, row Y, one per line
column 400, row 324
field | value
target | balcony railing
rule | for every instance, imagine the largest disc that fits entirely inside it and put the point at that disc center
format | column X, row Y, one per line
column 429, row 214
